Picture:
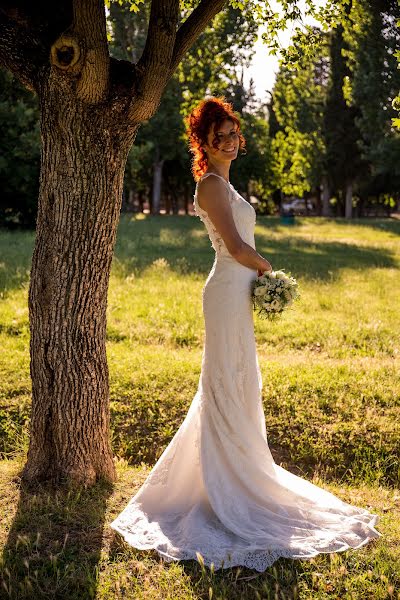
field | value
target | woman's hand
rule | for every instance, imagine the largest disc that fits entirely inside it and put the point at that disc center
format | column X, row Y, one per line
column 262, row 271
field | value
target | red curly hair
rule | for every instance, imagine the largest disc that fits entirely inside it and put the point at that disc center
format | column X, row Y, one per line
column 210, row 111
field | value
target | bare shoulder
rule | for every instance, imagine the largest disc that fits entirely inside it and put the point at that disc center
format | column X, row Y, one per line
column 210, row 190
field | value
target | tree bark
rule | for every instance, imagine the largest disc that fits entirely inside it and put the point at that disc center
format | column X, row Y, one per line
column 157, row 180
column 360, row 205
column 131, row 200
column 326, row 194
column 349, row 201
column 186, row 198
column 83, row 160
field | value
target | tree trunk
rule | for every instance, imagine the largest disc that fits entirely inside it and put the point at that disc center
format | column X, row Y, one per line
column 318, row 201
column 306, row 199
column 83, row 160
column 157, row 179
column 131, row 200
column 186, row 198
column 360, row 205
column 141, row 200
column 349, row 201
column 326, row 194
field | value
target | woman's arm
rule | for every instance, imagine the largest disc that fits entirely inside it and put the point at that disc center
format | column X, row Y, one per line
column 213, row 197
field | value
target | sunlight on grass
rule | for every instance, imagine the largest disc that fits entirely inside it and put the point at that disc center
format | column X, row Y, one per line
column 331, row 394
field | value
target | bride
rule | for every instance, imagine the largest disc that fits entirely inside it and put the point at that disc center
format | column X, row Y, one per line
column 216, row 489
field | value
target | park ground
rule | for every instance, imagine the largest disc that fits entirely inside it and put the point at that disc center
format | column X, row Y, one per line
column 331, row 394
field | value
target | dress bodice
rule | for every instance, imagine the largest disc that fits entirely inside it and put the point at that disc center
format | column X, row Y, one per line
column 243, row 214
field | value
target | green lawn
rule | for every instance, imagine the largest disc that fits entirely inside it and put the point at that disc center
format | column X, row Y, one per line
column 331, row 398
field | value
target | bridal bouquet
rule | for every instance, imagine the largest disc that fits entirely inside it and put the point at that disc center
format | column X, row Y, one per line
column 273, row 292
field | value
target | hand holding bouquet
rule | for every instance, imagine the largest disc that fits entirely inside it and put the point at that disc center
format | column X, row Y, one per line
column 273, row 292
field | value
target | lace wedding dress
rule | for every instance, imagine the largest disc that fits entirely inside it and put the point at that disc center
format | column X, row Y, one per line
column 216, row 489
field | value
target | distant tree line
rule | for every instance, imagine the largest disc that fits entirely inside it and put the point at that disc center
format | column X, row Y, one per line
column 334, row 134
column 326, row 134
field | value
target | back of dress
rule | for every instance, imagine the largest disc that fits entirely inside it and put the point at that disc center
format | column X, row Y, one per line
column 243, row 214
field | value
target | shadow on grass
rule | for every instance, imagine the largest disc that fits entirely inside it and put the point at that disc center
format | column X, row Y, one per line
column 16, row 248
column 381, row 224
column 322, row 260
column 54, row 544
column 183, row 242
column 242, row 583
column 281, row 579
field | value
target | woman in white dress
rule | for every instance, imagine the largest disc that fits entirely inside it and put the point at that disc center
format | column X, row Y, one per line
column 216, row 489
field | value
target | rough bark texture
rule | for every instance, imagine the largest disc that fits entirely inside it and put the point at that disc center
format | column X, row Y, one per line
column 349, row 201
column 85, row 140
column 83, row 160
column 157, row 181
column 326, row 209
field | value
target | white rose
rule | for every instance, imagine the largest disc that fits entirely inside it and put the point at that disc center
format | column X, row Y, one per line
column 260, row 290
column 275, row 305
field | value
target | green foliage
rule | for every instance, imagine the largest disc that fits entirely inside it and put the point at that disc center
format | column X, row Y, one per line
column 371, row 38
column 20, row 153
column 294, row 159
column 217, row 57
column 298, row 147
column 342, row 161
column 254, row 168
column 352, row 139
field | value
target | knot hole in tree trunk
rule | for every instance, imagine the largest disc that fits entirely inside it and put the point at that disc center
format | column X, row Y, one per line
column 65, row 52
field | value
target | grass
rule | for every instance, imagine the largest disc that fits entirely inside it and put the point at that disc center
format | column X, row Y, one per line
column 331, row 399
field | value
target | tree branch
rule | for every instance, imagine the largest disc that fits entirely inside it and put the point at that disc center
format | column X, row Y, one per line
column 165, row 48
column 194, row 25
column 20, row 51
column 154, row 65
column 90, row 24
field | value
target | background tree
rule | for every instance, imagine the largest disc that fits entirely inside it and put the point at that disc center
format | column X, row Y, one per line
column 20, row 153
column 351, row 148
column 298, row 107
column 251, row 173
column 372, row 37
column 343, row 162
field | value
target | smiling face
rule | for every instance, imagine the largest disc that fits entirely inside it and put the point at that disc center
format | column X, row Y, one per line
column 222, row 142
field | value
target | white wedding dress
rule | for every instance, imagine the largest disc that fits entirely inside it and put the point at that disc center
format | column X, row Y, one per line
column 216, row 489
